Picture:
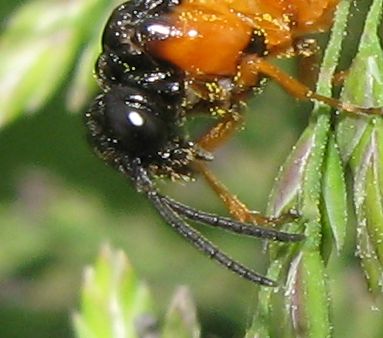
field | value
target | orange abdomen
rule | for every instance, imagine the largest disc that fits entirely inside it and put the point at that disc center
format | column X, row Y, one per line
column 210, row 38
column 212, row 34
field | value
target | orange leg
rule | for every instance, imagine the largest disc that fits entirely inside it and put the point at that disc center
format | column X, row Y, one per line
column 339, row 77
column 306, row 47
column 212, row 140
column 251, row 66
column 221, row 132
column 235, row 207
column 308, row 61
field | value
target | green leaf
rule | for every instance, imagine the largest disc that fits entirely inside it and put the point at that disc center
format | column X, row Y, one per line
column 363, row 85
column 334, row 206
column 260, row 326
column 83, row 84
column 360, row 140
column 371, row 265
column 374, row 211
column 181, row 320
column 38, row 49
column 299, row 186
column 114, row 303
column 307, row 295
column 289, row 181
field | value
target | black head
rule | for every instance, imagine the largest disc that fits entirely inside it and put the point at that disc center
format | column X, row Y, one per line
column 126, row 124
column 136, row 123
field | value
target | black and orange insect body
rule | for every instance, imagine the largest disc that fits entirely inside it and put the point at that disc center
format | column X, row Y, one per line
column 165, row 59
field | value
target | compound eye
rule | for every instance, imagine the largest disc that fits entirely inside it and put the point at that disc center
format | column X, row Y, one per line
column 135, row 126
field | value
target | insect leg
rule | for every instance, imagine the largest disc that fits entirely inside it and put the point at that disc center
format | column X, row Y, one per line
column 201, row 243
column 221, row 132
column 236, row 207
column 215, row 137
column 229, row 224
column 252, row 65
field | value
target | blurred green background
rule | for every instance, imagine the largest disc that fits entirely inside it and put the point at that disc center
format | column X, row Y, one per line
column 59, row 203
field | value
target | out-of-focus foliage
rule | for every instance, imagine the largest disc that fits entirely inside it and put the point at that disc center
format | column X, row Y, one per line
column 58, row 202
column 360, row 143
column 114, row 302
column 312, row 181
column 42, row 41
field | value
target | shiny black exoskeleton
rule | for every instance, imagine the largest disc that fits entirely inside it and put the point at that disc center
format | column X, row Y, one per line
column 135, row 125
column 140, row 109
